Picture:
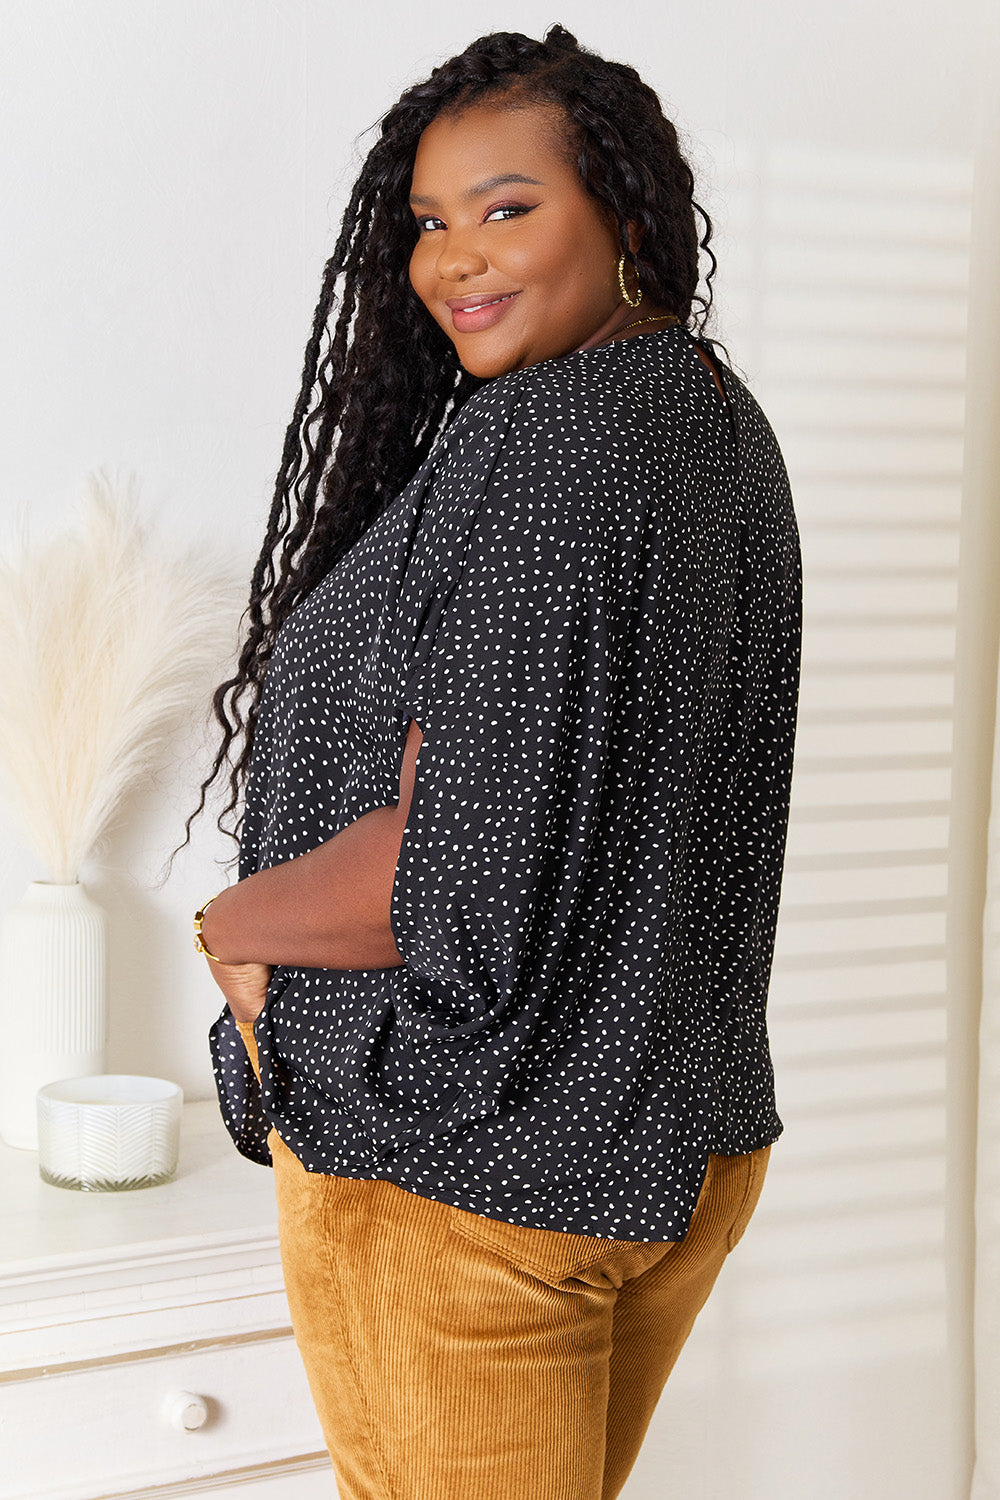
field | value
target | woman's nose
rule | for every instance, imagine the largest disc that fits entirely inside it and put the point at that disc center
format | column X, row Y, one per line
column 459, row 257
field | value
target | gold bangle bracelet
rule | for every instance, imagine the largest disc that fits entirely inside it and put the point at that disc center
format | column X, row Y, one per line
column 199, row 941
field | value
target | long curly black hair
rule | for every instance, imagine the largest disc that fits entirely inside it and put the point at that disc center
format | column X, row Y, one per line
column 381, row 383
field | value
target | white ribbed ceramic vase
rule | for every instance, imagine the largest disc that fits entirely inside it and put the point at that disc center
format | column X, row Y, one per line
column 53, row 999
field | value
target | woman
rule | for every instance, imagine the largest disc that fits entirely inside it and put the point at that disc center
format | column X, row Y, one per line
column 520, row 687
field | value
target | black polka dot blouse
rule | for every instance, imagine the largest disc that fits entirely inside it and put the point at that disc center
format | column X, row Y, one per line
column 588, row 597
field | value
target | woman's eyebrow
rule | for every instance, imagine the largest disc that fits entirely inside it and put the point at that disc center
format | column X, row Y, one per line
column 481, row 187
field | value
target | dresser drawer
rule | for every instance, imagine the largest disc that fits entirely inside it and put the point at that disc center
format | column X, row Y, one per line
column 88, row 1432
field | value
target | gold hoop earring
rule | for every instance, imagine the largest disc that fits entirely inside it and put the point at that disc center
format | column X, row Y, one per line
column 621, row 283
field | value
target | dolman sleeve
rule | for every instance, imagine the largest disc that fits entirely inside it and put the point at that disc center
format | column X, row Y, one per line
column 514, row 701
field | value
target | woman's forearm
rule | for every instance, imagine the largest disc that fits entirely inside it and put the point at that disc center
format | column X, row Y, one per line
column 328, row 909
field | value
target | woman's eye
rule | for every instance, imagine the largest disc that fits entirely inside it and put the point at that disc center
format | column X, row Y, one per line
column 503, row 211
column 508, row 211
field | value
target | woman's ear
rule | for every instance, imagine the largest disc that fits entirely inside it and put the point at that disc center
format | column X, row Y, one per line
column 632, row 229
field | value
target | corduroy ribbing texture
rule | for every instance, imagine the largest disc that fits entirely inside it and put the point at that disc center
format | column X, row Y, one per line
column 454, row 1357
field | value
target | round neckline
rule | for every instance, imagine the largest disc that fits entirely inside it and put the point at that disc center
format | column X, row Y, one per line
column 559, row 359
column 670, row 321
column 612, row 343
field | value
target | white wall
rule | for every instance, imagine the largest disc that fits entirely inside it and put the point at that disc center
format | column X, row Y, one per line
column 172, row 178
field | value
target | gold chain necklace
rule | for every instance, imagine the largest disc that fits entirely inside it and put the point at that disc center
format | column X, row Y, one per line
column 660, row 318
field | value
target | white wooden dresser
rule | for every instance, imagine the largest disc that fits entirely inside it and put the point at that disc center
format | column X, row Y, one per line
column 146, row 1346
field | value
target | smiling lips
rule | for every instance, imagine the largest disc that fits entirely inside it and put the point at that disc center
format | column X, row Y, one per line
column 470, row 314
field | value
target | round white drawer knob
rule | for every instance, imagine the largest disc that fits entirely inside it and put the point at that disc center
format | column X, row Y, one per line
column 185, row 1411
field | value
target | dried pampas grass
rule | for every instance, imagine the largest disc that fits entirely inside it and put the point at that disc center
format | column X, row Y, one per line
column 108, row 641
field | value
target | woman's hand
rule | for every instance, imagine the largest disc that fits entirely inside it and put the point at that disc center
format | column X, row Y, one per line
column 244, row 986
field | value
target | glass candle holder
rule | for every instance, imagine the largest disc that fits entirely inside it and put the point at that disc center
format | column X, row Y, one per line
column 110, row 1133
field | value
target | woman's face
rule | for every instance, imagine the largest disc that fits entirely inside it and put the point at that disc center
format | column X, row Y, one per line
column 515, row 260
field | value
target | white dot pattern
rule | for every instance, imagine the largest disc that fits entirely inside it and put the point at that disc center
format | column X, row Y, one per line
column 589, row 599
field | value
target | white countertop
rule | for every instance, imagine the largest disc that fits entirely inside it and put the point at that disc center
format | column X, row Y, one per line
column 216, row 1197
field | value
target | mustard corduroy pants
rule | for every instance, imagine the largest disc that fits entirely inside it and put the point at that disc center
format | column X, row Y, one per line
column 454, row 1357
